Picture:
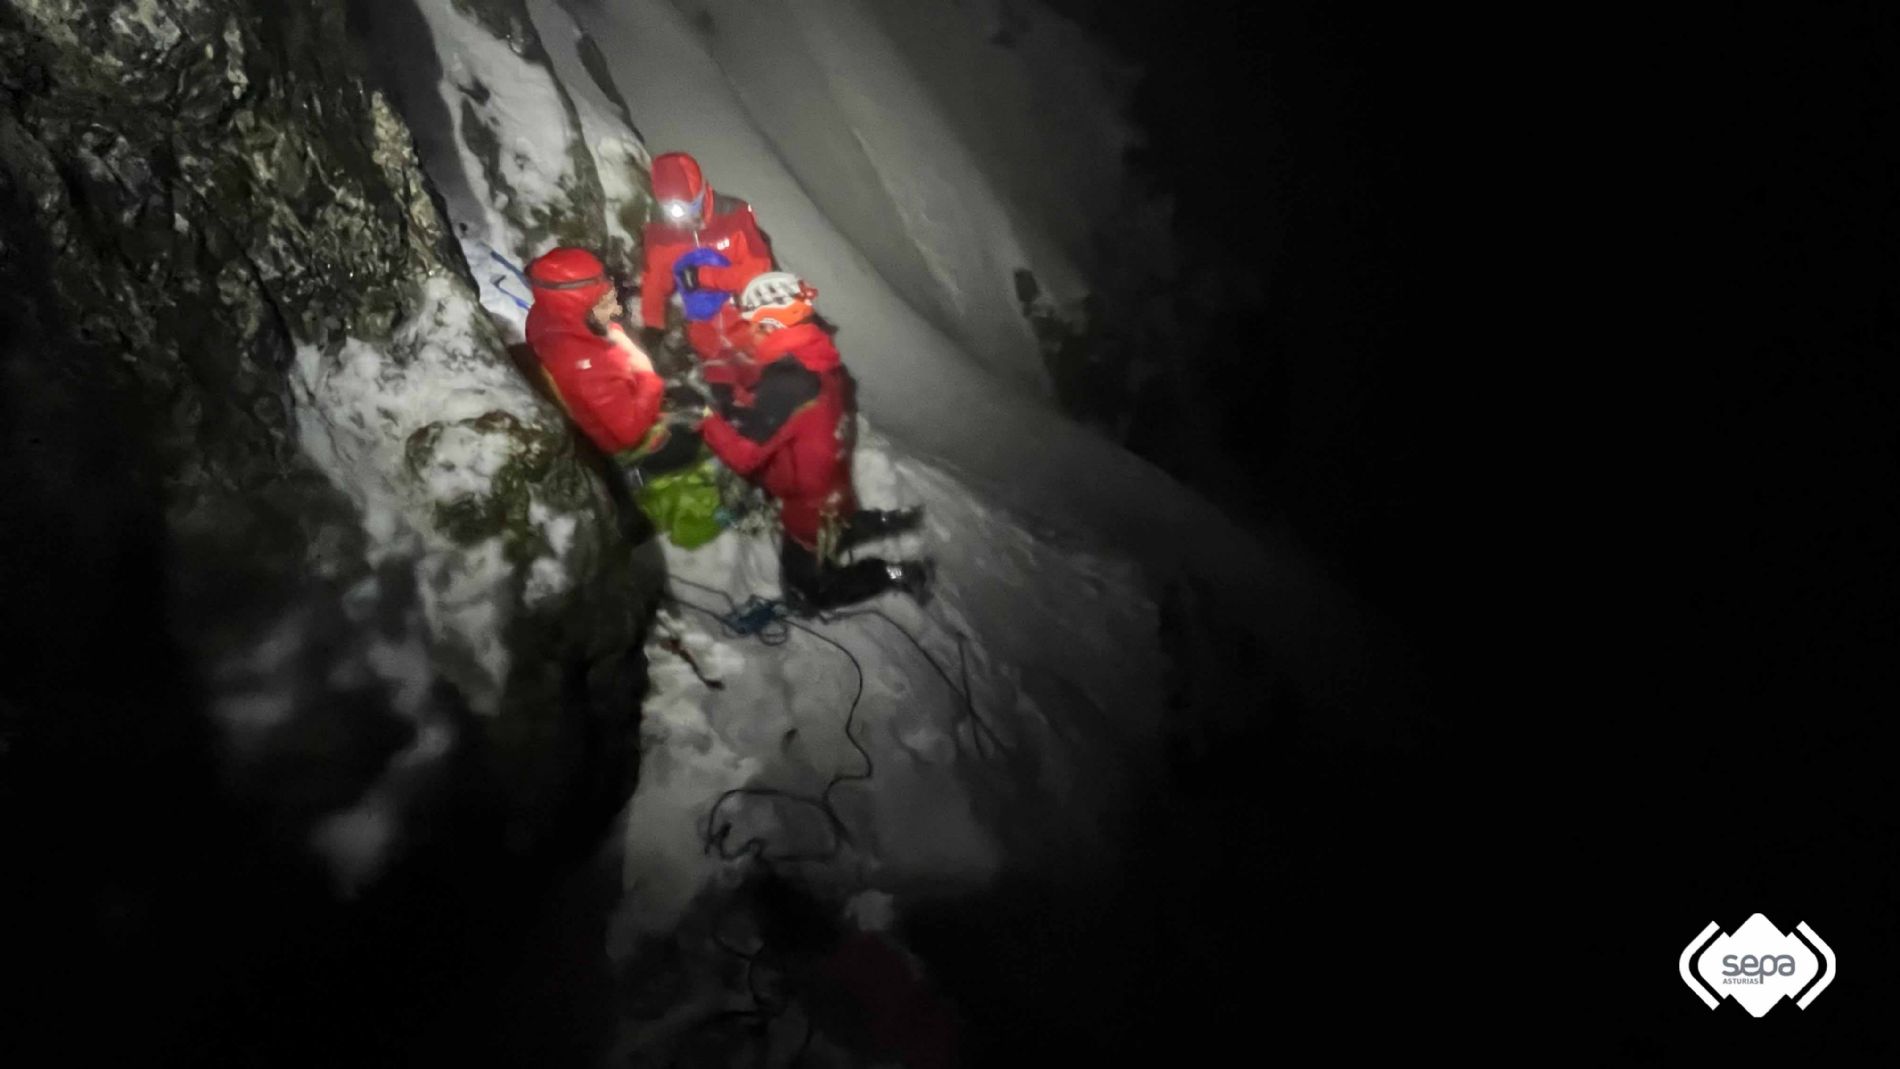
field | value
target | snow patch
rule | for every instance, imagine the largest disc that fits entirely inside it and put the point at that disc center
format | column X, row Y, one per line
column 465, row 597
column 619, row 157
column 948, row 775
column 549, row 576
column 494, row 94
column 465, row 461
column 248, row 715
column 357, row 843
column 556, row 527
column 267, row 698
column 358, row 410
column 872, row 911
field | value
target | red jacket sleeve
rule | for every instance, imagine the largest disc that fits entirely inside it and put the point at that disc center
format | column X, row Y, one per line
column 784, row 389
column 735, row 450
column 656, row 283
column 626, row 406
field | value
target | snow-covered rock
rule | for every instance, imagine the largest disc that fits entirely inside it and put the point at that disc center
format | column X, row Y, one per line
column 375, row 527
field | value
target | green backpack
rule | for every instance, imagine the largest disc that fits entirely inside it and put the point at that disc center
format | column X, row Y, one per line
column 686, row 504
column 687, row 493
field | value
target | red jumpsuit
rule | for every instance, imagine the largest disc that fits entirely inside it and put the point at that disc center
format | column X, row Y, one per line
column 614, row 403
column 732, row 231
column 791, row 430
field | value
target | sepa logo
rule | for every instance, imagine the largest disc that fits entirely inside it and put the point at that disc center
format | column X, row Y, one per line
column 1758, row 966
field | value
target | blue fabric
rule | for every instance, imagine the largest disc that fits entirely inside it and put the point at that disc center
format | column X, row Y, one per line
column 701, row 304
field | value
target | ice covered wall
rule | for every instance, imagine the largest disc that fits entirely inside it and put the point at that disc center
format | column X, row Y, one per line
column 1040, row 106
column 828, row 89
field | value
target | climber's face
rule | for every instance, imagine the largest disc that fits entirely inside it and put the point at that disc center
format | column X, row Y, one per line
column 608, row 308
column 604, row 312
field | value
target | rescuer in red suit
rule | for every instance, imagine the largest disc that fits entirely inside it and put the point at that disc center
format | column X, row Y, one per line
column 603, row 380
column 787, row 421
column 691, row 216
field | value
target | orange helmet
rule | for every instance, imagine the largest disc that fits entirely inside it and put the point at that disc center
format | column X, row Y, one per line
column 776, row 300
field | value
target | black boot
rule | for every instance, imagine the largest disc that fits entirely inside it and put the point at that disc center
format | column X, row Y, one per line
column 913, row 577
column 867, row 525
column 811, row 586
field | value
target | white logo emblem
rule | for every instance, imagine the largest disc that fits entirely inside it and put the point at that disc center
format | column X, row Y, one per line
column 1758, row 966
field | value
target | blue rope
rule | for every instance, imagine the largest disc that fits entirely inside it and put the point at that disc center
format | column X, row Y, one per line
column 756, row 618
column 498, row 279
column 505, row 262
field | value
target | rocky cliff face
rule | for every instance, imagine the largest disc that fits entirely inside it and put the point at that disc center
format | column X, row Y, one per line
column 263, row 441
column 525, row 137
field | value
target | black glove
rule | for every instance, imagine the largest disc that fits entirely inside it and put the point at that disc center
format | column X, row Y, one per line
column 689, row 276
column 686, row 405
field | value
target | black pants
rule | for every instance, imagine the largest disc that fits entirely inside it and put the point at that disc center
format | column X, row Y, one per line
column 811, row 583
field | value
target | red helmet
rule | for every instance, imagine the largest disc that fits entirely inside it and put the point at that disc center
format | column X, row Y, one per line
column 570, row 276
column 680, row 189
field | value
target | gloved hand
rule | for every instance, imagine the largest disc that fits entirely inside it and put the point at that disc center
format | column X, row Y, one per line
column 683, row 404
column 689, row 276
column 692, row 415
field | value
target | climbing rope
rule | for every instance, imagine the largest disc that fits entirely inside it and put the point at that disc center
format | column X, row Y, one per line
column 981, row 728
column 763, row 619
column 769, row 621
column 497, row 280
column 760, row 618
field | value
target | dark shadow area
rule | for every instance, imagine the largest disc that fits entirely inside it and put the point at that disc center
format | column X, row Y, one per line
column 161, row 922
column 1309, row 152
column 399, row 53
column 1270, row 893
column 1276, row 890
column 160, row 919
column 1755, row 584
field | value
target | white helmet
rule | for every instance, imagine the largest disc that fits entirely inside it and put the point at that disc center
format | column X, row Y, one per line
column 774, row 288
